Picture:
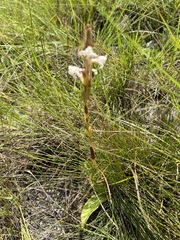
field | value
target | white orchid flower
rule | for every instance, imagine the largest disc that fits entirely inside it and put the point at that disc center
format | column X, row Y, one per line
column 88, row 53
column 75, row 71
column 100, row 60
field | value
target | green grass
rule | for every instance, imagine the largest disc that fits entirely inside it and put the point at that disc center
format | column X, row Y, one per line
column 45, row 172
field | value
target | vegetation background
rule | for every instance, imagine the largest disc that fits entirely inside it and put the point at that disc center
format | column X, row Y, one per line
column 45, row 172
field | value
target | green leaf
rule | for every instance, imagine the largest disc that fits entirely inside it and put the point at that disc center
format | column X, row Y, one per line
column 90, row 206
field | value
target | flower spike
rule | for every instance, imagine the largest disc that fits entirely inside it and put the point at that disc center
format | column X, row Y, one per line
column 85, row 76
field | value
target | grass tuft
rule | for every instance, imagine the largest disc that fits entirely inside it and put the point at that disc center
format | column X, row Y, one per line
column 134, row 113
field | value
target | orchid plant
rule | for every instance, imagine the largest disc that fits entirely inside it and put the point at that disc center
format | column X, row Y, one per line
column 85, row 75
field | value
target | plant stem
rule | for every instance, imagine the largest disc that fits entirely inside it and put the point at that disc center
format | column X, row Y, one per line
column 87, row 82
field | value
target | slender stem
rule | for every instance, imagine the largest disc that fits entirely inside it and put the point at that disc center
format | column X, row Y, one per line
column 87, row 82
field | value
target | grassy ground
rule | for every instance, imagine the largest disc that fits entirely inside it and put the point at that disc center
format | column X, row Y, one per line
column 45, row 173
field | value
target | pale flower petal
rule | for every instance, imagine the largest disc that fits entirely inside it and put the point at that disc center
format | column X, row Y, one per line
column 100, row 60
column 95, row 71
column 75, row 71
column 88, row 53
